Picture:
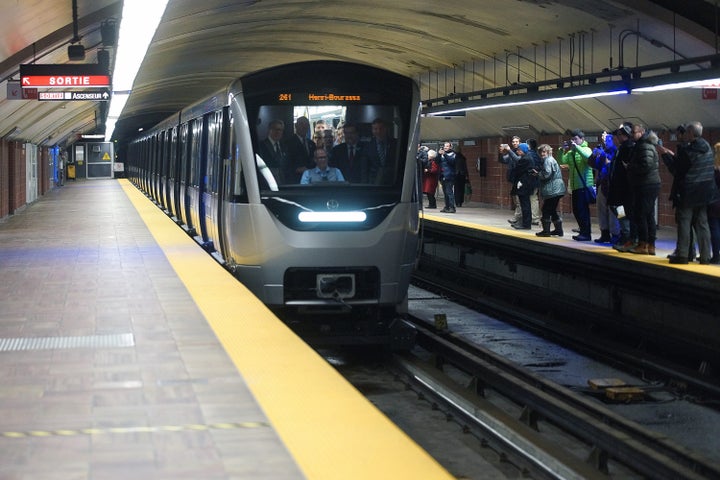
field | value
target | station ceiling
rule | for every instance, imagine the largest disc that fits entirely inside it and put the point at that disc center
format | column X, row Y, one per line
column 450, row 48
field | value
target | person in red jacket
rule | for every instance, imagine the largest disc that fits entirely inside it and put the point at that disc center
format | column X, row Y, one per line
column 430, row 178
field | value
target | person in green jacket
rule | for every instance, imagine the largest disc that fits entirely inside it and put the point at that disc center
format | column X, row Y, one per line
column 574, row 154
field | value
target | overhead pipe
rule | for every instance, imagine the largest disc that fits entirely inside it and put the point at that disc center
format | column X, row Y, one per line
column 76, row 36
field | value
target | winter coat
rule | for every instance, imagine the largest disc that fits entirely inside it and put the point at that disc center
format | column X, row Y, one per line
column 524, row 179
column 601, row 160
column 619, row 192
column 578, row 155
column 695, row 174
column 511, row 158
column 430, row 177
column 551, row 179
column 644, row 166
column 460, row 164
column 447, row 166
column 714, row 206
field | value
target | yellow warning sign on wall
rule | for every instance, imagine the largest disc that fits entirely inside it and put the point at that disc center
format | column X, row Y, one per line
column 106, row 156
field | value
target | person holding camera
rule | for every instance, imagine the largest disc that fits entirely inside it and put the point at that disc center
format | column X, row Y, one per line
column 525, row 183
column 575, row 154
column 510, row 155
column 430, row 177
column 620, row 197
column 644, row 178
column 447, row 158
column 601, row 160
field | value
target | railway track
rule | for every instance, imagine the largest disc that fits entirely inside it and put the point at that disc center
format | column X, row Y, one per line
column 634, row 357
column 638, row 310
column 527, row 422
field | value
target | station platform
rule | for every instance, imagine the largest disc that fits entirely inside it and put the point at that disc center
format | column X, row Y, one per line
column 126, row 351
column 477, row 215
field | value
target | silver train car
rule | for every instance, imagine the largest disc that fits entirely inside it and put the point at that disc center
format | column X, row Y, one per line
column 332, row 257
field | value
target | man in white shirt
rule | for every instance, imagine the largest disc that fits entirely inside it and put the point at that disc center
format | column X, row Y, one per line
column 321, row 173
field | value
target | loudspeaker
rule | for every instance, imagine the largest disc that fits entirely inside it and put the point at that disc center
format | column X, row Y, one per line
column 108, row 33
column 76, row 52
column 103, row 60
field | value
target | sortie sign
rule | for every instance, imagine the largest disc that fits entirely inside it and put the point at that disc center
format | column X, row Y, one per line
column 63, row 76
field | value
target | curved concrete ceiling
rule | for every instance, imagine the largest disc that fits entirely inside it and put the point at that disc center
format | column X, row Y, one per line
column 450, row 48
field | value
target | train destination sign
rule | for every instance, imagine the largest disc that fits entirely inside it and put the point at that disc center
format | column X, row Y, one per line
column 55, row 96
column 320, row 97
column 63, row 76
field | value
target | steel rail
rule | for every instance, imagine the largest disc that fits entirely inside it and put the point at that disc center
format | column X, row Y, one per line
column 645, row 451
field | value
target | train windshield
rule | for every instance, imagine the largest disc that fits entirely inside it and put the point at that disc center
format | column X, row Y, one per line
column 336, row 143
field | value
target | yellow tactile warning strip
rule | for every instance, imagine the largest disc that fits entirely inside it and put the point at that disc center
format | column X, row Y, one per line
column 711, row 270
column 331, row 431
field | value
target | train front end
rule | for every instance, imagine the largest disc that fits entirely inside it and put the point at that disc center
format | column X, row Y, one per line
column 329, row 235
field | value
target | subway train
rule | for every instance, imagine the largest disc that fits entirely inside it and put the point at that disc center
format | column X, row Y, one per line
column 333, row 259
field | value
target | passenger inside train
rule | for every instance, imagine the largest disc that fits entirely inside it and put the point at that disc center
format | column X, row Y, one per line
column 322, row 173
column 367, row 155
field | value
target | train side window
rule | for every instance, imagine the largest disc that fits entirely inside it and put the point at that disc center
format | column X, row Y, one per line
column 195, row 151
column 214, row 153
column 237, row 191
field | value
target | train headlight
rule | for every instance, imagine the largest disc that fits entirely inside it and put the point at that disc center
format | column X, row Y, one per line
column 314, row 217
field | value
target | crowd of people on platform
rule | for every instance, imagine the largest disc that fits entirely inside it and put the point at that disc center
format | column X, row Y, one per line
column 621, row 176
column 447, row 168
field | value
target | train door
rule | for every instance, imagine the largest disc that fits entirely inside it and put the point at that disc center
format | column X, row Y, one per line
column 150, row 167
column 169, row 173
column 155, row 170
column 184, row 165
column 200, row 164
column 176, row 174
column 195, row 152
column 162, row 174
column 214, row 157
column 234, row 223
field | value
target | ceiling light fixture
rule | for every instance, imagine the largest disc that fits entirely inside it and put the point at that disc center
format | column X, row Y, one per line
column 139, row 22
column 704, row 72
column 576, row 93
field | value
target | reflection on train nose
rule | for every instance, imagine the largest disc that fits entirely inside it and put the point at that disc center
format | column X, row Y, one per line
column 336, row 285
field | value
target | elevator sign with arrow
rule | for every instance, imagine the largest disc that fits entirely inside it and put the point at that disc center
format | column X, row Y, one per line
column 55, row 96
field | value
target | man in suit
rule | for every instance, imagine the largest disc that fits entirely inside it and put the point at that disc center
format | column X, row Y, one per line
column 350, row 156
column 272, row 150
column 382, row 155
column 300, row 150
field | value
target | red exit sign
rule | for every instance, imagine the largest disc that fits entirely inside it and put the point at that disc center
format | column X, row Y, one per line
column 64, row 75
column 50, row 81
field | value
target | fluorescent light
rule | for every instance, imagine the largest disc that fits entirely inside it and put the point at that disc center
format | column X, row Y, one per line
column 713, row 83
column 631, row 81
column 489, row 103
column 313, row 217
column 140, row 19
